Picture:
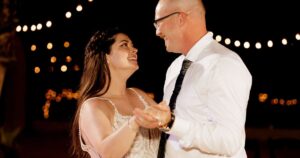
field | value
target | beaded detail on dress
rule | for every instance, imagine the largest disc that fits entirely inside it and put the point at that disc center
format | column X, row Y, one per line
column 146, row 141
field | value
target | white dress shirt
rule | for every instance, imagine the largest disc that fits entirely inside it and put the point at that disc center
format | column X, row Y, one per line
column 211, row 106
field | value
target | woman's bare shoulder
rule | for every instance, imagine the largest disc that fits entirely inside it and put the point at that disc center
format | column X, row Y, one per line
column 96, row 105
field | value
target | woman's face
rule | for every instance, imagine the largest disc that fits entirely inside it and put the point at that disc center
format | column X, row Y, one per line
column 123, row 54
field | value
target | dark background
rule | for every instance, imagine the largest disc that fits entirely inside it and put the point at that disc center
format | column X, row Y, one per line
column 274, row 70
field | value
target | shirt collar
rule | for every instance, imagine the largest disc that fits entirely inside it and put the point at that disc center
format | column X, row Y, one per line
column 193, row 54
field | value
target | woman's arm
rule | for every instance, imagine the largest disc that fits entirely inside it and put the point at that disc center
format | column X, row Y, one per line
column 96, row 126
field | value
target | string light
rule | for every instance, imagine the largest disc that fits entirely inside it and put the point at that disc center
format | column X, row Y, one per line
column 297, row 36
column 227, row 41
column 33, row 48
column 52, row 95
column 219, row 38
column 39, row 26
column 49, row 46
column 68, row 59
column 237, row 43
column 18, row 28
column 66, row 44
column 270, row 43
column 37, row 70
column 53, row 59
column 257, row 44
column 64, row 68
column 35, row 27
column 284, row 41
column 25, row 28
column 264, row 98
column 68, row 15
column 48, row 24
column 246, row 45
column 79, row 8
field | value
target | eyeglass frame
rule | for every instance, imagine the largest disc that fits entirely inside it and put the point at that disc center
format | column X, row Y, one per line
column 155, row 23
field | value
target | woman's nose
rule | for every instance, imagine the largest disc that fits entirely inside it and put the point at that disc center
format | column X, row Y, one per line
column 134, row 50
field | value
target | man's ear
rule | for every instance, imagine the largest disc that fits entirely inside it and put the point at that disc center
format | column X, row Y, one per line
column 182, row 18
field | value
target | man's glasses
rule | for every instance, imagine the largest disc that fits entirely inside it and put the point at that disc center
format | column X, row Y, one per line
column 163, row 18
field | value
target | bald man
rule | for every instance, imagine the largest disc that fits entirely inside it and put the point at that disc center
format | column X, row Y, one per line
column 208, row 118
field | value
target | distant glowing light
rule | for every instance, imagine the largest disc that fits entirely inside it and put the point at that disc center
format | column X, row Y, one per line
column 227, row 41
column 33, row 28
column 297, row 36
column 237, row 43
column 25, row 28
column 68, row 14
column 18, row 28
column 262, row 97
column 39, row 26
column 37, row 70
column 79, row 8
column 76, row 67
column 274, row 101
column 219, row 38
column 66, row 44
column 33, row 48
column 53, row 59
column 49, row 24
column 63, row 68
column 258, row 45
column 68, row 59
column 281, row 101
column 284, row 41
column 49, row 45
column 246, row 45
column 270, row 43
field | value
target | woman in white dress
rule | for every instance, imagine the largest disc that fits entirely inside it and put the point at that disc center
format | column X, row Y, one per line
column 104, row 125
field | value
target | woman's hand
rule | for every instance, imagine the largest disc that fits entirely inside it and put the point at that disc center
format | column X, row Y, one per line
column 154, row 116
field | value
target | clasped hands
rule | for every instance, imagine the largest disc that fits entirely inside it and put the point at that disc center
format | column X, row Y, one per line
column 153, row 116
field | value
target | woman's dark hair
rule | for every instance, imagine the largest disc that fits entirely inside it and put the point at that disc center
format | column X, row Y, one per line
column 95, row 79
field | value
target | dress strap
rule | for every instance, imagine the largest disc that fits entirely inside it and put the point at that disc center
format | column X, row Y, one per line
column 141, row 98
column 84, row 146
column 87, row 148
column 111, row 102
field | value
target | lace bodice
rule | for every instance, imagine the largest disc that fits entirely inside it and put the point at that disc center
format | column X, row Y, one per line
column 146, row 141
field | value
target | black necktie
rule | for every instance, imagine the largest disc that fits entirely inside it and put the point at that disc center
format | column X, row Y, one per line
column 164, row 136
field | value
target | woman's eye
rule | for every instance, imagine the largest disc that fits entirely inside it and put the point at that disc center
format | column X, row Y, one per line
column 124, row 45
